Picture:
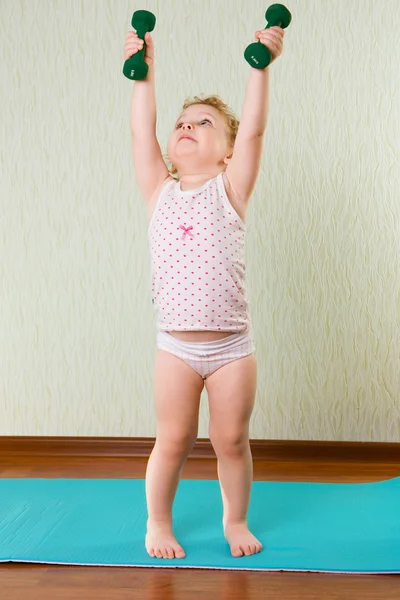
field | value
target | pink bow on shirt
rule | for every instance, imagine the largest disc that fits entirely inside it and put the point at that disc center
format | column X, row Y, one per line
column 186, row 230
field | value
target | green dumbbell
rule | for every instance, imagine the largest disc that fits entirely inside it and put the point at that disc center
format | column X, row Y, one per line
column 257, row 55
column 135, row 67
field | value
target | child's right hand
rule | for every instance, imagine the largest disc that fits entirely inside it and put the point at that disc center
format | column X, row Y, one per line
column 135, row 44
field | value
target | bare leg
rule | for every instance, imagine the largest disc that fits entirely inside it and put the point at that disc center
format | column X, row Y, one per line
column 177, row 390
column 231, row 392
column 235, row 472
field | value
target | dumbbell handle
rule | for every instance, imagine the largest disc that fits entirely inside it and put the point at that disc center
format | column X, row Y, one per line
column 141, row 32
column 278, row 24
column 140, row 54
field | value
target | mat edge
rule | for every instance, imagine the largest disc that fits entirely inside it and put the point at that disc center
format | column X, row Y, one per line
column 38, row 562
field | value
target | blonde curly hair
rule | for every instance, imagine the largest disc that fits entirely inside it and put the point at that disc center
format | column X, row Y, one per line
column 216, row 102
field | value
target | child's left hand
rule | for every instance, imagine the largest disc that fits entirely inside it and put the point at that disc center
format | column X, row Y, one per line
column 272, row 38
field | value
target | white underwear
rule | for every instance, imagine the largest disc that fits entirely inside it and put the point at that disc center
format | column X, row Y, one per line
column 206, row 358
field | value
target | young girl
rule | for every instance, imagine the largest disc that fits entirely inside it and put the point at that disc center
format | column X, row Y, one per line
column 197, row 239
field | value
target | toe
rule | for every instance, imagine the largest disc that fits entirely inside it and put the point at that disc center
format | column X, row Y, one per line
column 247, row 550
column 236, row 552
column 179, row 552
column 158, row 553
column 170, row 552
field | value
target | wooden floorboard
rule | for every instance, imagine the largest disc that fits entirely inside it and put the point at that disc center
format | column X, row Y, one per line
column 34, row 582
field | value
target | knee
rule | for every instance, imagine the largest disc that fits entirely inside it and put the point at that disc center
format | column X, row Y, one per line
column 175, row 445
column 232, row 444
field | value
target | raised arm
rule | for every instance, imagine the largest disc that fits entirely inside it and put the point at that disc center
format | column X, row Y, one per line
column 243, row 167
column 149, row 165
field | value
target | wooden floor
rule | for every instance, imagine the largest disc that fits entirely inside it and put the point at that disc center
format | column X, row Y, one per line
column 34, row 582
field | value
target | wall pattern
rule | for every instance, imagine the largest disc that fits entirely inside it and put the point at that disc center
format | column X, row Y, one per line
column 77, row 331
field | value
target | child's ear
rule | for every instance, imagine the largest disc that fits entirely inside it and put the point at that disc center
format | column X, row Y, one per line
column 228, row 158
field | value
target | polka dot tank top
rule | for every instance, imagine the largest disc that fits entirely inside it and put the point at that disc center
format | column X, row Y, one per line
column 197, row 246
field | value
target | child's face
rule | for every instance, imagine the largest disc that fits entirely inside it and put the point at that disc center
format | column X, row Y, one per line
column 209, row 145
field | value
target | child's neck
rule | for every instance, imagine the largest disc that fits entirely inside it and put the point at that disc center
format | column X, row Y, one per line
column 192, row 182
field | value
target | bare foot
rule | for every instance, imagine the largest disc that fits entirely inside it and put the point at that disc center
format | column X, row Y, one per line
column 241, row 540
column 161, row 542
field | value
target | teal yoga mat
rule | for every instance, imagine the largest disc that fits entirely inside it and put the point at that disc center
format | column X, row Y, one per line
column 342, row 528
